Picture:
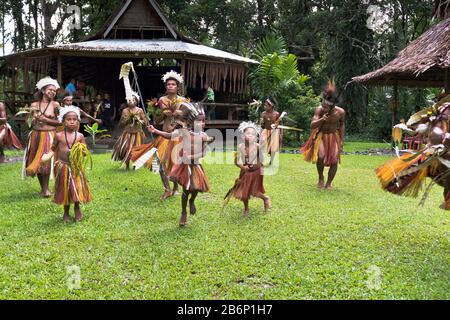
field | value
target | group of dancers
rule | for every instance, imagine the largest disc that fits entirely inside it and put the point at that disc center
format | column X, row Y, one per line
column 181, row 144
column 55, row 146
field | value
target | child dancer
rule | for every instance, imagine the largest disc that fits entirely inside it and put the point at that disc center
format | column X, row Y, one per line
column 7, row 136
column 249, row 159
column 187, row 170
column 133, row 118
column 271, row 136
column 69, row 145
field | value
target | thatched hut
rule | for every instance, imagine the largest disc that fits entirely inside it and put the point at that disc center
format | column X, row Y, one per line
column 425, row 62
column 137, row 31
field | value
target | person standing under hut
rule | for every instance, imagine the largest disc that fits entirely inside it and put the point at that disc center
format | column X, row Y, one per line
column 249, row 158
column 67, row 101
column 7, row 137
column 327, row 138
column 133, row 119
column 166, row 149
column 271, row 136
column 44, row 113
column 107, row 113
column 187, row 169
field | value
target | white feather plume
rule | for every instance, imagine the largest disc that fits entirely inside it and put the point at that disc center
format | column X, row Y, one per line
column 172, row 75
column 245, row 125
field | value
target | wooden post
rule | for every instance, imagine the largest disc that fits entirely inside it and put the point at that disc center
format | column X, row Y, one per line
column 183, row 73
column 59, row 70
column 447, row 81
column 14, row 87
column 395, row 105
column 394, row 110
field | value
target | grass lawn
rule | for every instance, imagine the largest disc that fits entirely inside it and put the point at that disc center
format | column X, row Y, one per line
column 356, row 242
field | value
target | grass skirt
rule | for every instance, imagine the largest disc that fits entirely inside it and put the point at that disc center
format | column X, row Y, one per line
column 331, row 143
column 70, row 188
column 125, row 144
column 10, row 140
column 39, row 143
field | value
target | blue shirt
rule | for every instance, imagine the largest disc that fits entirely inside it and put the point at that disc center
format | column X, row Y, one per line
column 71, row 88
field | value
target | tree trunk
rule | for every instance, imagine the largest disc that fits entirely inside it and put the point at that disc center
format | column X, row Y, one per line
column 19, row 38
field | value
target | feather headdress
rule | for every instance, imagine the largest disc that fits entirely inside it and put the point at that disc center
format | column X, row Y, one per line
column 46, row 82
column 172, row 75
column 135, row 95
column 245, row 125
column 329, row 95
column 188, row 111
column 66, row 110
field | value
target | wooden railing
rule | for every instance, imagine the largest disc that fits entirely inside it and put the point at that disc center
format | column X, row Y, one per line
column 224, row 115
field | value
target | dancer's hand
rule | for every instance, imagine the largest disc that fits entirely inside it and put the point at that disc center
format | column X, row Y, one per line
column 151, row 128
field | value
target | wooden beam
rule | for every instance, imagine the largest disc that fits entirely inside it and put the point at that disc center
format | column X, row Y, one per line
column 59, row 70
column 395, row 105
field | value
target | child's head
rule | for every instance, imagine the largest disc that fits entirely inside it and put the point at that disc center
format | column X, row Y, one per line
column 134, row 100
column 106, row 96
column 270, row 104
column 250, row 135
column 70, row 117
column 71, row 121
column 187, row 114
column 68, row 100
column 249, row 131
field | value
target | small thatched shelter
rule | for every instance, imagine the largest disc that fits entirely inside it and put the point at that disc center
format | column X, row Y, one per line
column 425, row 62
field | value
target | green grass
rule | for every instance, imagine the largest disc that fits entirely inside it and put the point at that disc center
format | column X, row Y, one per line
column 353, row 146
column 312, row 245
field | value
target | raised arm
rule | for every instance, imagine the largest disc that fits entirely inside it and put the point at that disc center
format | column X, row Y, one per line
column 163, row 134
column 318, row 120
column 87, row 115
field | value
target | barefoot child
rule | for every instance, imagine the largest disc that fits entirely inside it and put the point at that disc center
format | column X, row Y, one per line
column 249, row 159
column 71, row 185
column 7, row 136
column 271, row 136
column 187, row 170
column 133, row 119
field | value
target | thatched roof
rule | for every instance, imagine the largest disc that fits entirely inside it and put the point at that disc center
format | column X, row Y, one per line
column 425, row 62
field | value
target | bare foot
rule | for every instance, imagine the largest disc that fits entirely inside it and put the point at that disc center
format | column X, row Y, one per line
column 166, row 195
column 46, row 194
column 183, row 220
column 192, row 208
column 443, row 206
column 329, row 187
column 175, row 193
column 321, row 184
column 267, row 204
column 78, row 216
column 246, row 213
column 66, row 217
